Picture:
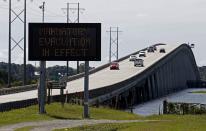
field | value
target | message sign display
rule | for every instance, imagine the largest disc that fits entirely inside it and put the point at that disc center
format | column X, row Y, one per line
column 64, row 41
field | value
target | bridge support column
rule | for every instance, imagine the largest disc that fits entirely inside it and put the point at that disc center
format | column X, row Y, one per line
column 134, row 96
column 149, row 88
column 167, row 78
column 154, row 87
column 141, row 95
column 162, row 82
column 158, row 83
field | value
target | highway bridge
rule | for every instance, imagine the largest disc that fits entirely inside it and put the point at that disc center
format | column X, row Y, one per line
column 162, row 74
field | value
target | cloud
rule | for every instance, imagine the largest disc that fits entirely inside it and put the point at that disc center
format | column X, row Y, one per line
column 141, row 15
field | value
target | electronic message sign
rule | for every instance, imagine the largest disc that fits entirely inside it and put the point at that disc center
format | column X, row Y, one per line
column 64, row 41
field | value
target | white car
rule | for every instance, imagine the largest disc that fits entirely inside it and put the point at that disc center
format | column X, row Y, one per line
column 142, row 54
column 139, row 62
column 132, row 57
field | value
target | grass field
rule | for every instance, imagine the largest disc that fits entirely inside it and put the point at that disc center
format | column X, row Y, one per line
column 201, row 92
column 168, row 123
column 27, row 128
column 55, row 111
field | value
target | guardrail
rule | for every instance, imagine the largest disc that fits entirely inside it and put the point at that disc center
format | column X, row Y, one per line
column 29, row 102
column 17, row 89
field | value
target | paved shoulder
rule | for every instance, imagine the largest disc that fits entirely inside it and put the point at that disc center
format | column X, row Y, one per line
column 57, row 124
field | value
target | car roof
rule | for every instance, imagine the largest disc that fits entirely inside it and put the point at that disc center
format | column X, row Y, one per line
column 139, row 59
column 114, row 62
column 142, row 52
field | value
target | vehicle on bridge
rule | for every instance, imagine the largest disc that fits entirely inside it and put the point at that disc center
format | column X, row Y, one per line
column 142, row 54
column 114, row 66
column 139, row 62
column 132, row 57
column 150, row 49
column 162, row 50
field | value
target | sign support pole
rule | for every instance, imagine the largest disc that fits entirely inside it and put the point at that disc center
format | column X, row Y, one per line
column 86, row 90
column 42, row 87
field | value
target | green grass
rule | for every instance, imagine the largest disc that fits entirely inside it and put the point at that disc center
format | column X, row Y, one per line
column 201, row 92
column 168, row 123
column 26, row 128
column 55, row 111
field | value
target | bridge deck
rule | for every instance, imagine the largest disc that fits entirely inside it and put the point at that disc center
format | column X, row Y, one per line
column 101, row 78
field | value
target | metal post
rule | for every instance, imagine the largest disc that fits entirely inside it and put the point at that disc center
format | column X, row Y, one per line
column 67, row 12
column 117, row 43
column 42, row 88
column 24, row 82
column 110, row 44
column 86, row 90
column 62, row 96
column 43, row 12
column 67, row 22
column 9, row 60
column 78, row 22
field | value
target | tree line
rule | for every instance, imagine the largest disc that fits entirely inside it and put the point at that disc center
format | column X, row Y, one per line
column 52, row 73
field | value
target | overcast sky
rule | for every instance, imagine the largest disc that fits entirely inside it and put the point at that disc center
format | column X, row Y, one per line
column 142, row 22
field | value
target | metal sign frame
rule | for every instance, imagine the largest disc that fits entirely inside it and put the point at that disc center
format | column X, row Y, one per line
column 64, row 41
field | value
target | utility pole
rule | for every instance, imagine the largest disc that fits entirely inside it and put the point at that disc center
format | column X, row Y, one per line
column 17, row 43
column 113, row 40
column 42, row 82
column 24, row 43
column 69, row 20
column 9, row 60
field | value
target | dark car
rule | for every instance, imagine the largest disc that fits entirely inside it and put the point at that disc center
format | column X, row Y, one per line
column 150, row 49
column 162, row 50
column 139, row 62
column 114, row 66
